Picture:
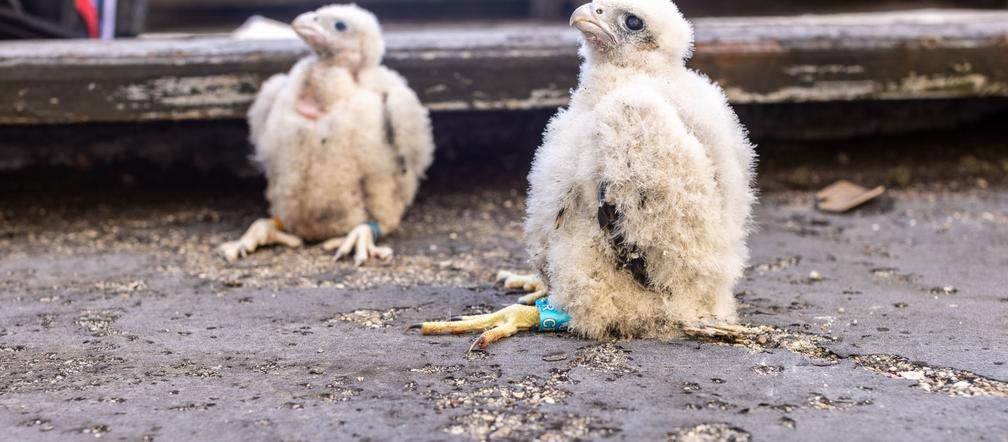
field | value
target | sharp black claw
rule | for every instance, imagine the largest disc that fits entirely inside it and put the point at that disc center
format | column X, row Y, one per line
column 413, row 327
column 477, row 345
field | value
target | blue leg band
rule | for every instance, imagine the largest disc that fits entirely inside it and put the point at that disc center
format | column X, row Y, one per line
column 375, row 230
column 551, row 318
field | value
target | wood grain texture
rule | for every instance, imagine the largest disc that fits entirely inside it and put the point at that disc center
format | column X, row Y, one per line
column 887, row 56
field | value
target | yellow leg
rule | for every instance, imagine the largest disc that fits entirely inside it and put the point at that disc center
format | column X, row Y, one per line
column 530, row 283
column 263, row 232
column 494, row 326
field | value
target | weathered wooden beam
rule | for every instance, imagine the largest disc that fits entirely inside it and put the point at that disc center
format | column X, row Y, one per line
column 551, row 7
column 709, row 8
column 725, row 5
column 171, row 15
column 219, row 15
column 907, row 55
column 260, row 3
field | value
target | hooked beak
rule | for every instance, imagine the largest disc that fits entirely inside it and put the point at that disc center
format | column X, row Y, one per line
column 594, row 30
column 306, row 26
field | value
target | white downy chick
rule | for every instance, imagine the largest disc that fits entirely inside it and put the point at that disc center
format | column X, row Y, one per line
column 641, row 193
column 343, row 141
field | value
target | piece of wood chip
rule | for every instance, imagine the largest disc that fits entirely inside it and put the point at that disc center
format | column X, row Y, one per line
column 843, row 196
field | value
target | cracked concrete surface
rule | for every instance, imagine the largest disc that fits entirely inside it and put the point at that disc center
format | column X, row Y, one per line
column 118, row 321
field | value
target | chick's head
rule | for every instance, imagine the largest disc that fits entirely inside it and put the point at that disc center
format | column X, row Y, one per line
column 345, row 35
column 634, row 32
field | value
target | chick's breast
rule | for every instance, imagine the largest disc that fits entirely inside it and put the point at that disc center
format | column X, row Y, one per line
column 314, row 169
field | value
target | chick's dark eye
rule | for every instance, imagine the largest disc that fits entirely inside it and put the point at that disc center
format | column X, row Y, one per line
column 634, row 23
column 340, row 26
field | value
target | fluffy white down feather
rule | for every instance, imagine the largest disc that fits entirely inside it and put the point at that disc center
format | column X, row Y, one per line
column 679, row 167
column 329, row 175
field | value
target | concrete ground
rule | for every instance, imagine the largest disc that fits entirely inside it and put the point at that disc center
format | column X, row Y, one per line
column 119, row 321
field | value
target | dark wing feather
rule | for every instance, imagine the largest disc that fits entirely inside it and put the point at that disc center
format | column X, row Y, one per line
column 387, row 117
column 628, row 255
column 390, row 135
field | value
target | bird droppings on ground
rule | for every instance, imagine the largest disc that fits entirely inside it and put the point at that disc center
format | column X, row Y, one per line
column 607, row 358
column 29, row 371
column 804, row 225
column 98, row 323
column 437, row 369
column 767, row 370
column 42, row 425
column 711, row 404
column 782, row 408
column 12, row 348
column 943, row 380
column 419, row 260
column 511, row 410
column 371, row 318
column 536, row 426
column 715, row 432
column 529, row 391
column 506, row 411
column 121, row 288
column 341, row 389
column 97, row 430
column 893, row 275
column 787, row 422
column 481, row 377
column 777, row 265
column 821, row 402
column 186, row 367
column 944, row 290
column 178, row 327
column 765, row 337
column 193, row 407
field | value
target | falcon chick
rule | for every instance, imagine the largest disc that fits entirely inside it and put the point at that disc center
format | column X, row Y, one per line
column 640, row 195
column 343, row 142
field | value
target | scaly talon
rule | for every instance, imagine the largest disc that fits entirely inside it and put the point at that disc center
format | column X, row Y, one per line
column 360, row 242
column 477, row 345
column 263, row 232
column 530, row 283
column 494, row 326
column 333, row 244
column 531, row 298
